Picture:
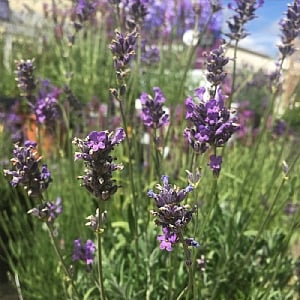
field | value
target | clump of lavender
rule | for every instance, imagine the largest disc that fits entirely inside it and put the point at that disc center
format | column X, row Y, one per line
column 47, row 211
column 26, row 170
column 171, row 214
column 212, row 124
column 152, row 113
column 95, row 151
column 123, row 50
column 84, row 252
column 25, row 78
column 289, row 27
column 245, row 12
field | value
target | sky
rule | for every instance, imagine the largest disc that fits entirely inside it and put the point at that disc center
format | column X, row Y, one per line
column 264, row 30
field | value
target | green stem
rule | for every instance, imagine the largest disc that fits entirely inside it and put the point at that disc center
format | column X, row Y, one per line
column 132, row 185
column 59, row 255
column 100, row 269
column 189, row 289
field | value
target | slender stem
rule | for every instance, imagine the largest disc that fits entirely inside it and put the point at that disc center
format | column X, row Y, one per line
column 59, row 255
column 132, row 185
column 233, row 73
column 188, row 290
column 100, row 269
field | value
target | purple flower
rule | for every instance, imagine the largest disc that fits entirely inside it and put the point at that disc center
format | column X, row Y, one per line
column 215, row 62
column 153, row 114
column 95, row 152
column 169, row 194
column 137, row 11
column 279, row 128
column 123, row 50
column 167, row 239
column 289, row 26
column 25, row 170
column 170, row 214
column 46, row 107
column 25, row 77
column 211, row 122
column 245, row 12
column 84, row 9
column 84, row 252
column 48, row 211
column 215, row 164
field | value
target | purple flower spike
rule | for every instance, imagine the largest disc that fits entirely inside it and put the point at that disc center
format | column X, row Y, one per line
column 95, row 152
column 84, row 252
column 290, row 27
column 211, row 122
column 215, row 164
column 152, row 113
column 26, row 172
column 245, row 12
column 170, row 214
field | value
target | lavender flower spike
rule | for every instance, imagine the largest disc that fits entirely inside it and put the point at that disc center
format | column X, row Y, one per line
column 95, row 152
column 245, row 12
column 26, row 172
column 170, row 214
column 25, row 77
column 153, row 114
column 211, row 122
column 123, row 50
column 290, row 27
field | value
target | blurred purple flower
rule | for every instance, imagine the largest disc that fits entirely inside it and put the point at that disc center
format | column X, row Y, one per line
column 25, row 77
column 46, row 108
column 25, row 170
column 95, row 152
column 84, row 252
column 245, row 12
column 152, row 113
column 215, row 164
column 279, row 127
column 291, row 208
column 290, row 27
column 211, row 122
column 48, row 211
